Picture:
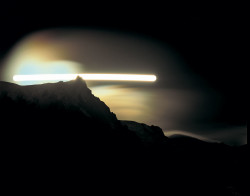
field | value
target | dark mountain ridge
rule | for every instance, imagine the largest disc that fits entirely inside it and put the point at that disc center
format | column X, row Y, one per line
column 73, row 94
column 61, row 131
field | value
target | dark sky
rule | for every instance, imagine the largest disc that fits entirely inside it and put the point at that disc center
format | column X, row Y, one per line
column 209, row 38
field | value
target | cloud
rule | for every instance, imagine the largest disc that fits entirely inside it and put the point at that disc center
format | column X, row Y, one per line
column 234, row 136
column 179, row 132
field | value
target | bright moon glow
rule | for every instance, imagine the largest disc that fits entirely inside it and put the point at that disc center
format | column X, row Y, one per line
column 105, row 77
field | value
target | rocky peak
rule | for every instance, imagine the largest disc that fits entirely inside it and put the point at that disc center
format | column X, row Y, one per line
column 80, row 81
column 71, row 94
column 78, row 85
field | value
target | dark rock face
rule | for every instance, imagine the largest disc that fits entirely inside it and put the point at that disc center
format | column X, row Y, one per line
column 67, row 95
column 60, row 116
column 147, row 134
column 61, row 133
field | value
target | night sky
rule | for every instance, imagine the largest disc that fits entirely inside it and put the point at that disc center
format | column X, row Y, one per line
column 198, row 55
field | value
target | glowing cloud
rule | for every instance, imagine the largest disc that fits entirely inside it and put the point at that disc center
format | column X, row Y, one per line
column 105, row 77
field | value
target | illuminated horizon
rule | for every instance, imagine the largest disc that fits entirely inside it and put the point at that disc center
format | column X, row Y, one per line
column 99, row 77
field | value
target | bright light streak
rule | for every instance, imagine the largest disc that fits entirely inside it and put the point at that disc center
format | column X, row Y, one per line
column 104, row 77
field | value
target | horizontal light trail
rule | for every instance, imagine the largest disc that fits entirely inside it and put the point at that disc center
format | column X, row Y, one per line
column 104, row 77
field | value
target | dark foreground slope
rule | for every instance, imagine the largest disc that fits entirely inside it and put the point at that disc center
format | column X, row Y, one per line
column 60, row 135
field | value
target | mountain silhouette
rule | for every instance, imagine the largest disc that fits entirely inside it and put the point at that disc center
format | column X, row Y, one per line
column 60, row 133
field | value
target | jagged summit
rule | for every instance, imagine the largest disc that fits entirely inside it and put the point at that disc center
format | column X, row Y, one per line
column 72, row 94
column 79, row 81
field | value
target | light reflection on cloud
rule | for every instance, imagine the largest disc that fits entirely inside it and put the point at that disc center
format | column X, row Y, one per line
column 98, row 51
column 128, row 103
column 185, row 133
